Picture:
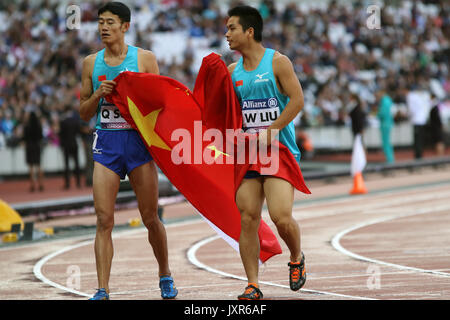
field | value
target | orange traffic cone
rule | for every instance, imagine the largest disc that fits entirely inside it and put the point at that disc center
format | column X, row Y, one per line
column 358, row 184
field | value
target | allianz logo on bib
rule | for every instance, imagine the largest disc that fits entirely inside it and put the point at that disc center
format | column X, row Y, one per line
column 260, row 103
column 261, row 76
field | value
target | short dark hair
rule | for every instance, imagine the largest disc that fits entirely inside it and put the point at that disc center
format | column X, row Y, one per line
column 117, row 8
column 249, row 17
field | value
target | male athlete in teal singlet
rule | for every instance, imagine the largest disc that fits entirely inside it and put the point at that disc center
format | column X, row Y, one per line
column 270, row 96
column 118, row 149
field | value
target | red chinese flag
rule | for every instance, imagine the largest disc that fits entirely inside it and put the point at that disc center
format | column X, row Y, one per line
column 169, row 120
column 174, row 124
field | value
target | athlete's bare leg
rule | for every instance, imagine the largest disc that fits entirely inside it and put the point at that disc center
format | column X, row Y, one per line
column 106, row 185
column 280, row 198
column 249, row 200
column 144, row 180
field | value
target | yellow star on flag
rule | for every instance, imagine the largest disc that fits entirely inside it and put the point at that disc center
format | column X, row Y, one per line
column 217, row 152
column 146, row 126
column 185, row 91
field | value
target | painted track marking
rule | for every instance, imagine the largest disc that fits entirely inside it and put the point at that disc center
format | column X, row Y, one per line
column 37, row 269
column 337, row 245
column 191, row 254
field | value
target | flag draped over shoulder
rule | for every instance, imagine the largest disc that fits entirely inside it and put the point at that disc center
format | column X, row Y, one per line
column 215, row 93
column 173, row 123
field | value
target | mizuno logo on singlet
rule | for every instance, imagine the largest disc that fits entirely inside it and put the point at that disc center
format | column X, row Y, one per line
column 261, row 76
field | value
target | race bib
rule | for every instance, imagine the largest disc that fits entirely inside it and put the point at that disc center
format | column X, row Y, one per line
column 259, row 114
column 110, row 117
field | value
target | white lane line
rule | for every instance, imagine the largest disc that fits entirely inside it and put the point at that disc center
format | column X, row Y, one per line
column 145, row 291
column 371, row 205
column 337, row 238
column 191, row 255
column 393, row 195
column 37, row 269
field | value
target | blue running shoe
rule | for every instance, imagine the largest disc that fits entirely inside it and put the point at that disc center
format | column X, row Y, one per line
column 168, row 289
column 101, row 294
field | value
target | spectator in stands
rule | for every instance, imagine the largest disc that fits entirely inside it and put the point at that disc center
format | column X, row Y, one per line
column 357, row 115
column 419, row 104
column 32, row 135
column 385, row 117
column 329, row 44
column 2, row 135
column 7, row 124
column 435, row 127
column 69, row 130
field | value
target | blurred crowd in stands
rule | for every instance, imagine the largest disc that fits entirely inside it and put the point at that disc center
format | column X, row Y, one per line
column 334, row 53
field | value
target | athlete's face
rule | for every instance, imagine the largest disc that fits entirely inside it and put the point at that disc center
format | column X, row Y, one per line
column 235, row 35
column 111, row 28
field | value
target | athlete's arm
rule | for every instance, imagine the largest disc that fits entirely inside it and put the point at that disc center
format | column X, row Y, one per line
column 289, row 85
column 88, row 100
column 147, row 62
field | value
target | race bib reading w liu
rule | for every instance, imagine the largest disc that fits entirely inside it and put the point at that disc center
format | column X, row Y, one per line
column 259, row 114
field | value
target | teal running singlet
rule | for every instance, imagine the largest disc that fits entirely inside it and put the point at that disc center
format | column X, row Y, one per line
column 108, row 115
column 261, row 101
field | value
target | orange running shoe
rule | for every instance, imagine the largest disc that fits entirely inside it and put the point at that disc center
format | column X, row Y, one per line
column 297, row 274
column 251, row 293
